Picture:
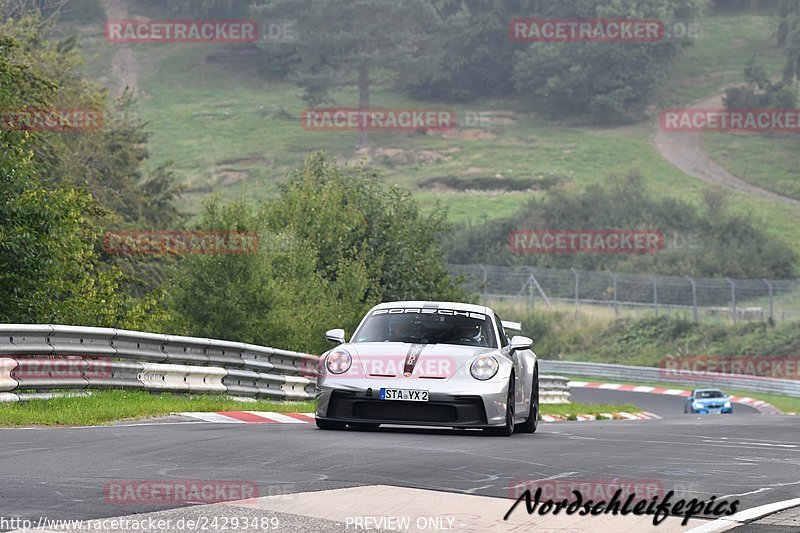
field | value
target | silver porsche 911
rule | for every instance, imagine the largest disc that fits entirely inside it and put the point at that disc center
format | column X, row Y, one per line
column 433, row 364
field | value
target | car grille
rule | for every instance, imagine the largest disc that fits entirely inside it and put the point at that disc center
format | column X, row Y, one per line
column 411, row 412
column 466, row 410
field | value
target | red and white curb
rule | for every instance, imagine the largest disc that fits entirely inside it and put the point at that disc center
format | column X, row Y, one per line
column 251, row 417
column 760, row 405
column 265, row 417
column 641, row 415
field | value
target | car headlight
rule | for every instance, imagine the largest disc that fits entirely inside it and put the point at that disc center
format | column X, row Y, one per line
column 338, row 361
column 484, row 368
column 726, row 405
column 698, row 405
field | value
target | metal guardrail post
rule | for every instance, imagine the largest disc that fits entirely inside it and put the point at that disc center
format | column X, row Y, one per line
column 7, row 366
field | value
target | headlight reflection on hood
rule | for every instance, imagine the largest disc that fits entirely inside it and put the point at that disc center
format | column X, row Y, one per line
column 484, row 368
column 338, row 361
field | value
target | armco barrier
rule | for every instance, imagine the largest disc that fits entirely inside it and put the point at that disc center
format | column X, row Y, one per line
column 688, row 379
column 51, row 357
column 554, row 389
column 7, row 365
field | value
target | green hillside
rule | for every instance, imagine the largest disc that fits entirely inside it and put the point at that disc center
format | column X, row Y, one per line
column 229, row 131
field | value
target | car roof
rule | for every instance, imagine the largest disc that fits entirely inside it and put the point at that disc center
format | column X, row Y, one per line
column 707, row 390
column 458, row 306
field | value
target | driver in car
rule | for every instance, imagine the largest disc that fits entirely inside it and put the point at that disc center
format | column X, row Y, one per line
column 407, row 331
column 468, row 334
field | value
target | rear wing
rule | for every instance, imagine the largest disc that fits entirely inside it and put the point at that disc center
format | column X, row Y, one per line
column 513, row 326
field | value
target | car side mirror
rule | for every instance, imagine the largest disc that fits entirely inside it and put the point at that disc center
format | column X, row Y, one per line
column 335, row 335
column 518, row 342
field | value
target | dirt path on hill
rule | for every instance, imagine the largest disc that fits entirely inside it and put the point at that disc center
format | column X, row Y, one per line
column 684, row 150
column 124, row 67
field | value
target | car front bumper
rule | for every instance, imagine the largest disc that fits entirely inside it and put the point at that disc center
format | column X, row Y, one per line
column 706, row 411
column 449, row 404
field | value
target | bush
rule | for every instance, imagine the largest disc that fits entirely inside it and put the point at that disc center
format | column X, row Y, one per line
column 332, row 244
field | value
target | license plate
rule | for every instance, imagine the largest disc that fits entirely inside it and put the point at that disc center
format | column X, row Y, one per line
column 405, row 395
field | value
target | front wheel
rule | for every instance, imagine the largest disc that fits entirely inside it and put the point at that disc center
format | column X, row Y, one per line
column 507, row 429
column 329, row 424
column 529, row 426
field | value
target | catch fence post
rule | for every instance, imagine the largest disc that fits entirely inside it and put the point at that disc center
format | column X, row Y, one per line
column 770, row 297
column 577, row 289
column 694, row 298
column 733, row 298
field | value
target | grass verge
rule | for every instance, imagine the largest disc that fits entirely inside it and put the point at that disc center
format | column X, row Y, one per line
column 789, row 404
column 572, row 410
column 103, row 407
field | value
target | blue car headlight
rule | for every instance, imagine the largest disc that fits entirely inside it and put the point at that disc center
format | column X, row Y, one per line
column 698, row 405
column 727, row 405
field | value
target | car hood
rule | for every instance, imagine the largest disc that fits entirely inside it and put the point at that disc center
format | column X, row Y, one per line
column 394, row 359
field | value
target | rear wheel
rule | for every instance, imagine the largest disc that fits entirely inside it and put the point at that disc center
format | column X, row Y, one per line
column 529, row 426
column 329, row 424
column 507, row 429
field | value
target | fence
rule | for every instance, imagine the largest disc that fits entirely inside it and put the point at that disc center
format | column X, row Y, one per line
column 733, row 299
column 785, row 387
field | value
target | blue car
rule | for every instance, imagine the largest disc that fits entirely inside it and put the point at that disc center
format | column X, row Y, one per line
column 708, row 401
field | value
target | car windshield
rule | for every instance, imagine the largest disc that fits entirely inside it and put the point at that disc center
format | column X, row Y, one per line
column 427, row 326
column 703, row 394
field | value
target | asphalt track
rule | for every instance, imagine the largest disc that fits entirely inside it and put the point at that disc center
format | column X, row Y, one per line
column 660, row 404
column 60, row 472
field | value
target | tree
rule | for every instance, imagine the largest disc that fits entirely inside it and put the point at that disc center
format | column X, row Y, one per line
column 49, row 271
column 476, row 57
column 352, row 42
column 603, row 80
column 710, row 241
column 333, row 243
column 788, row 35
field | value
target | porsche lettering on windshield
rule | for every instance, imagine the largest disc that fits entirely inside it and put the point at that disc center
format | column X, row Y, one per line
column 430, row 311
